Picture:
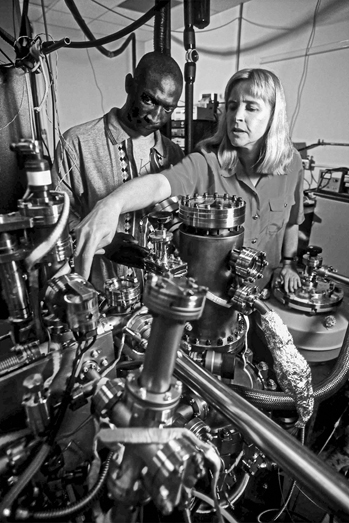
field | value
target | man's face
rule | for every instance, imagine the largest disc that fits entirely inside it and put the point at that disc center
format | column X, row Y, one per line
column 151, row 101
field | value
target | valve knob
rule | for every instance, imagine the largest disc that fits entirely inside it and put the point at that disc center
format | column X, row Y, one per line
column 314, row 251
column 160, row 217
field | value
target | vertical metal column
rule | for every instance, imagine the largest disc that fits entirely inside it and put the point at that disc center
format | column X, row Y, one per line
column 192, row 57
column 162, row 42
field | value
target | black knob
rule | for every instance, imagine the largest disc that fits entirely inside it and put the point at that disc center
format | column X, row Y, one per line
column 160, row 217
column 314, row 251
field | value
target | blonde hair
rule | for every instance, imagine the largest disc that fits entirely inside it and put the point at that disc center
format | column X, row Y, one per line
column 277, row 148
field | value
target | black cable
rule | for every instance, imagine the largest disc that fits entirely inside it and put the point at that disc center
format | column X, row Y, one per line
column 66, row 396
column 64, row 514
column 23, row 30
column 88, row 33
column 8, row 58
column 14, row 4
column 7, row 37
column 48, row 47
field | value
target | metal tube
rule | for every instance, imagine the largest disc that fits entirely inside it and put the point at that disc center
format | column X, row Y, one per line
column 172, row 302
column 189, row 75
column 327, row 273
column 327, row 487
column 160, row 357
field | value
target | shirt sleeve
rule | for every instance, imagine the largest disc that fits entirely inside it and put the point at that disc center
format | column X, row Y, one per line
column 188, row 176
column 176, row 153
column 66, row 177
column 297, row 210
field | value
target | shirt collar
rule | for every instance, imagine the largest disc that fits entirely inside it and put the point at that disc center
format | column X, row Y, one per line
column 238, row 172
column 119, row 135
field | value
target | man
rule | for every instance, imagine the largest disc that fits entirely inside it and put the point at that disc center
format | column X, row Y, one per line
column 96, row 157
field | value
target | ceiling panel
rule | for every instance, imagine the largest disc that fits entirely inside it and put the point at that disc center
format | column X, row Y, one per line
column 142, row 6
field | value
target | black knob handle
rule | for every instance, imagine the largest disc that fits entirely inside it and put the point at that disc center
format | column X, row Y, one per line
column 314, row 251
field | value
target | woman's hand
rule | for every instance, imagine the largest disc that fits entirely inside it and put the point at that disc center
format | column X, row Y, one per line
column 94, row 232
column 290, row 277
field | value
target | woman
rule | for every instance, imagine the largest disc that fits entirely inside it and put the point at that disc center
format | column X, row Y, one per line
column 251, row 155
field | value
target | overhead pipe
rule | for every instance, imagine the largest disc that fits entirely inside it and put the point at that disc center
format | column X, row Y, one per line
column 162, row 29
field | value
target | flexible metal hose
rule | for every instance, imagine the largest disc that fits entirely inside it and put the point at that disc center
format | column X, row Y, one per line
column 77, row 506
column 271, row 400
column 23, row 480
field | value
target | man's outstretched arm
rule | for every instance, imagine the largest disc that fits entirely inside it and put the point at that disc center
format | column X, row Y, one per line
column 98, row 228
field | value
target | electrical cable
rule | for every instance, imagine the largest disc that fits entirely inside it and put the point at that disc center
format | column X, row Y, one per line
column 96, row 82
column 209, row 501
column 24, row 18
column 19, row 110
column 14, row 5
column 23, row 480
column 279, row 511
column 40, row 106
column 148, row 25
column 335, row 426
column 48, row 47
column 49, row 69
column 274, row 27
column 305, row 70
column 66, row 435
column 201, row 30
column 77, row 506
column 88, row 33
column 297, row 28
column 318, row 453
column 8, row 58
column 7, row 37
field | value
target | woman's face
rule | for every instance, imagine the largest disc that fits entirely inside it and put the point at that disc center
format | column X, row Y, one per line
column 247, row 118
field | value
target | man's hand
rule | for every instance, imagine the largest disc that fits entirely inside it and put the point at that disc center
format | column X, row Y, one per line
column 94, row 232
column 98, row 229
column 290, row 278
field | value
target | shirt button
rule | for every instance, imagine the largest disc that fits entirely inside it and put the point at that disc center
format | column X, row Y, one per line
column 285, row 204
column 255, row 217
column 254, row 241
